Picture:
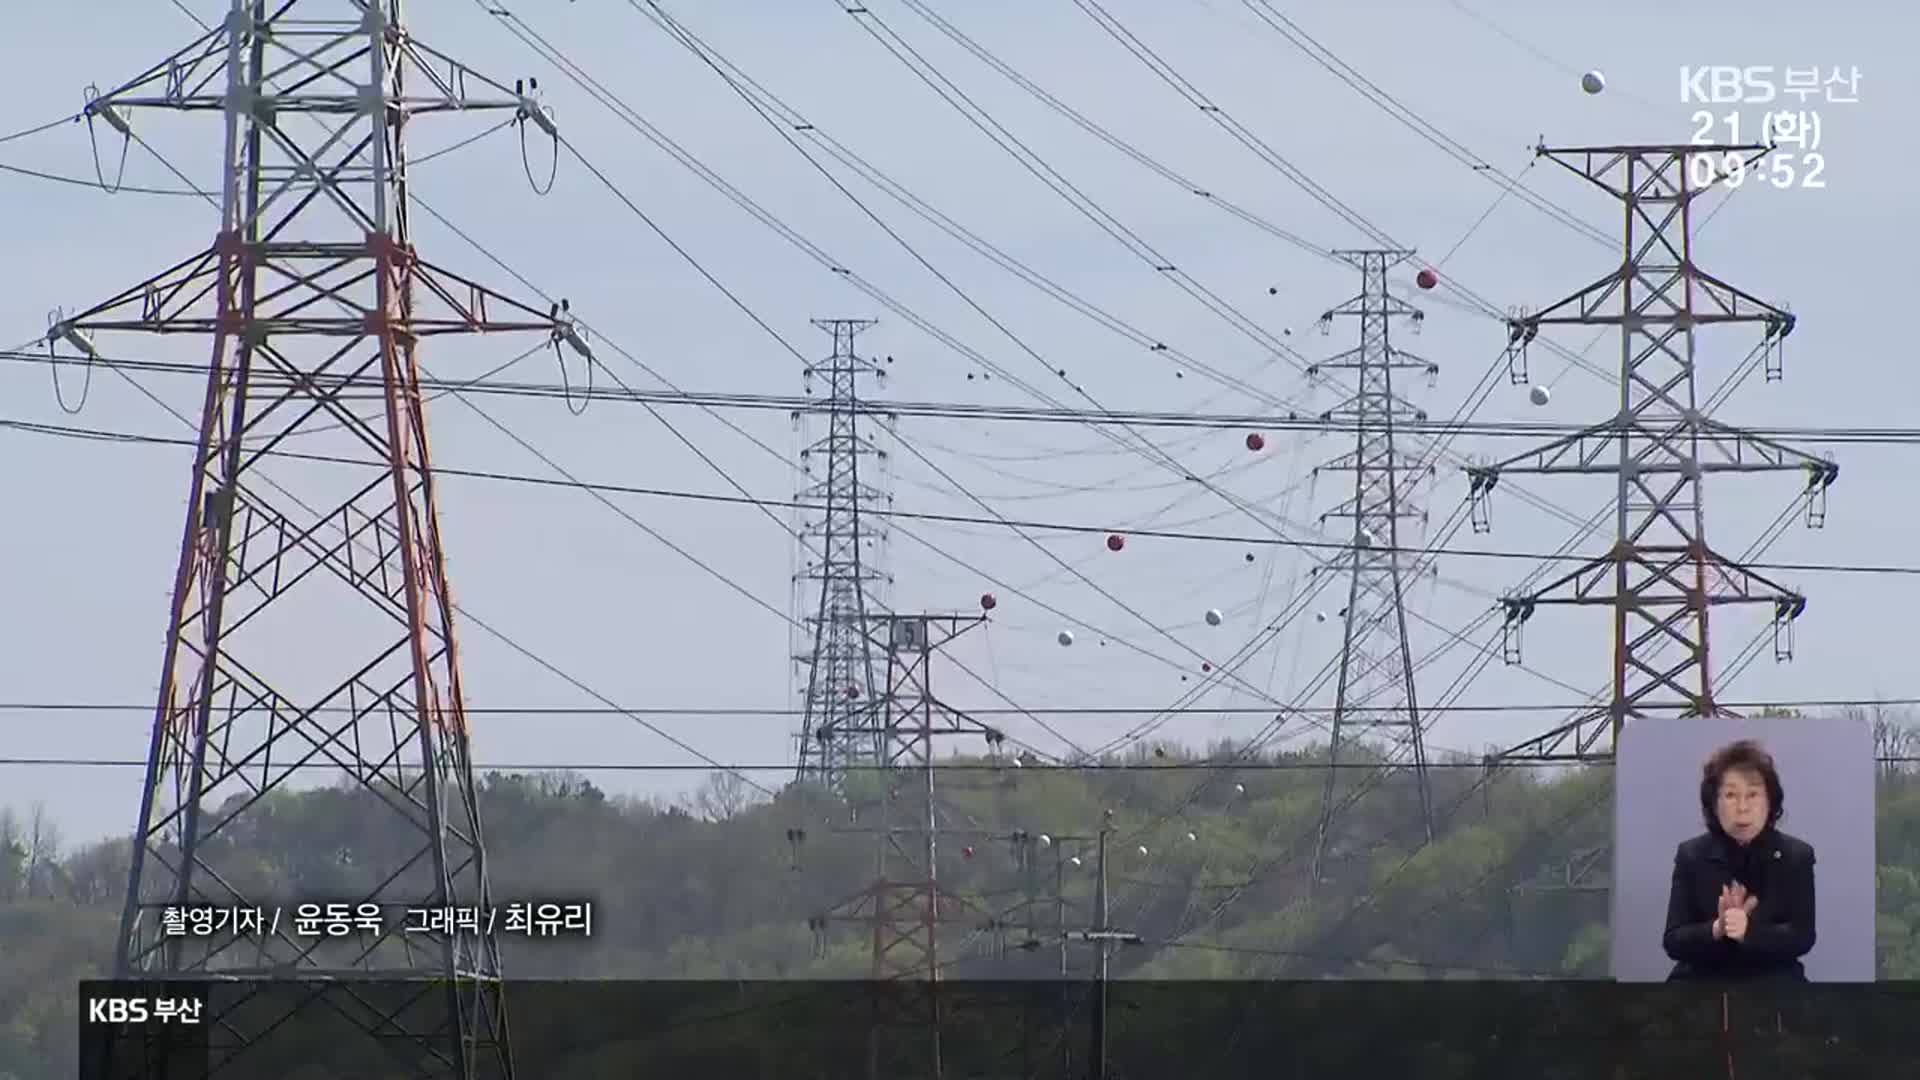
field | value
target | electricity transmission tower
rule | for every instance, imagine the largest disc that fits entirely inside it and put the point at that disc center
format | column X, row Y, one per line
column 1661, row 577
column 306, row 594
column 842, row 562
column 904, row 907
column 1376, row 684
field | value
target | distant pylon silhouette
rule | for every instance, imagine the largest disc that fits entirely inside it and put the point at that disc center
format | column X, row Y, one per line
column 842, row 578
column 305, row 590
column 1376, row 674
column 904, row 907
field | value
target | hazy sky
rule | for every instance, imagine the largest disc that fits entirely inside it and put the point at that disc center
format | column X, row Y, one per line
column 92, row 536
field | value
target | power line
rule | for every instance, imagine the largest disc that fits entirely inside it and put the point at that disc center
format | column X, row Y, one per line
column 876, row 27
column 855, row 767
column 1143, row 446
column 627, row 114
column 131, row 189
column 1345, row 72
column 909, row 515
column 694, row 711
column 957, row 410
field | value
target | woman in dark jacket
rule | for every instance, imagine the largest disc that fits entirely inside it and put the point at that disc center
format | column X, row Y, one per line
column 1742, row 903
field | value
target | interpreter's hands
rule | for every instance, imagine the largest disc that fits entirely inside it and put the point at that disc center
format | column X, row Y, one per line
column 1735, row 905
column 1734, row 923
column 1735, row 920
column 1726, row 900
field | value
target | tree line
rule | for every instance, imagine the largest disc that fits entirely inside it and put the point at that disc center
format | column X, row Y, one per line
column 1210, row 867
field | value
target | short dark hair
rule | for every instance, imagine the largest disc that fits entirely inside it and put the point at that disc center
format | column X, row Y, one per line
column 1747, row 756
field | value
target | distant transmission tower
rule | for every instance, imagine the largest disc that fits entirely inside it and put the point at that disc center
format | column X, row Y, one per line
column 1660, row 577
column 842, row 578
column 904, row 907
column 1376, row 684
column 315, row 591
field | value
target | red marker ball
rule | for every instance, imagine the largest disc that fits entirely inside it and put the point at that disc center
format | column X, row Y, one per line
column 1115, row 541
column 1256, row 441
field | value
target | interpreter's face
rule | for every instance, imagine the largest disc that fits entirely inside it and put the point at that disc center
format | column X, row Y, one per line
column 1743, row 806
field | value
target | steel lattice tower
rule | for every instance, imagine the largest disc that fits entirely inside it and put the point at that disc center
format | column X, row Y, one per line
column 904, row 906
column 311, row 621
column 1376, row 684
column 842, row 570
column 1661, row 577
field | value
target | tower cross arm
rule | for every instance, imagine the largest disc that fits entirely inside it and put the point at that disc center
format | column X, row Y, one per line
column 817, row 496
column 1734, row 450
column 1660, row 287
column 1374, row 410
column 1362, row 359
column 329, row 296
column 1363, row 304
column 315, row 56
column 1598, row 164
column 1680, row 576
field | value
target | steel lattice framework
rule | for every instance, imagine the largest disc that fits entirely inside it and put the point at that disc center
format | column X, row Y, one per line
column 301, row 593
column 841, row 544
column 904, row 907
column 1661, row 577
column 1376, row 683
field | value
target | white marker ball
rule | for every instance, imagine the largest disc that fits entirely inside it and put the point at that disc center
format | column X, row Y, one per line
column 1593, row 82
column 1539, row 395
column 1213, row 616
column 1065, row 638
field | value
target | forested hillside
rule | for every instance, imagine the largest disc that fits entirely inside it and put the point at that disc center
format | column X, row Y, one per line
column 1208, row 866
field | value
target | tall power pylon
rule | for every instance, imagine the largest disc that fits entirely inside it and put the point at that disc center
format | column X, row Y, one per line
column 1661, row 577
column 1376, row 675
column 904, row 906
column 842, row 577
column 311, row 621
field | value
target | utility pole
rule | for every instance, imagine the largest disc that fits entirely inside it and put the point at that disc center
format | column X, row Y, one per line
column 1661, row 577
column 1376, row 685
column 842, row 576
column 1103, row 936
column 305, row 595
column 904, row 906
